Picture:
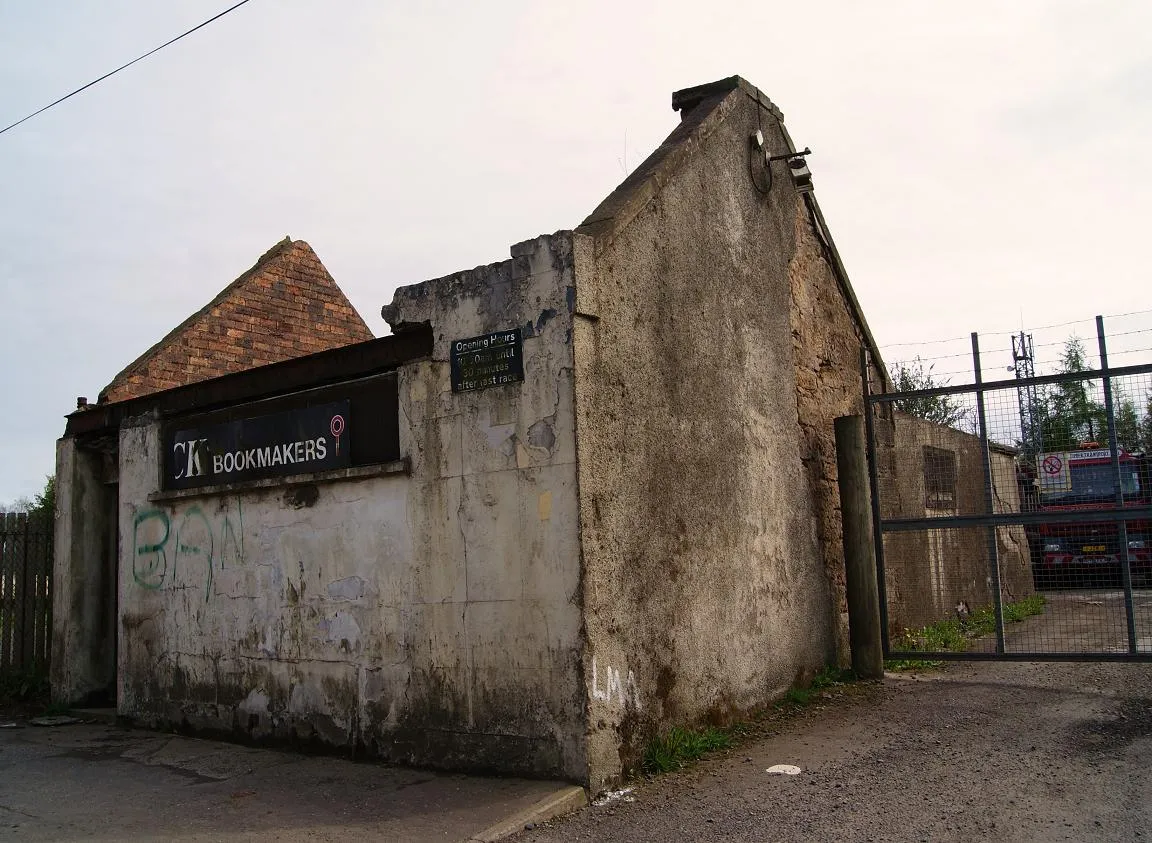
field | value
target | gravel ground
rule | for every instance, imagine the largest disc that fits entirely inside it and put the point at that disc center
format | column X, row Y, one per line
column 978, row 751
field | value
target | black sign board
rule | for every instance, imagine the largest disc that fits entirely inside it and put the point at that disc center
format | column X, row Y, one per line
column 297, row 441
column 491, row 360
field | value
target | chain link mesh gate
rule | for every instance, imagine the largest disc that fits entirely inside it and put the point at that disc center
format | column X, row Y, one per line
column 1018, row 524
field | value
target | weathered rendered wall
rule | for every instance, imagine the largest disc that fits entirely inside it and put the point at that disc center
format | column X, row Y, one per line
column 501, row 465
column 826, row 342
column 83, row 632
column 705, row 589
column 427, row 618
column 928, row 572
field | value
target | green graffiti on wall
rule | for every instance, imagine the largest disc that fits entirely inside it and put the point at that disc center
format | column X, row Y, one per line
column 193, row 544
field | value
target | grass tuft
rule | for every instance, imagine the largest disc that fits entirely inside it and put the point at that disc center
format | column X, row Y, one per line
column 1021, row 609
column 683, row 746
column 830, row 677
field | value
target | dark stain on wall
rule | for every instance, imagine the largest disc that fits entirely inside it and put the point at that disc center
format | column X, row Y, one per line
column 299, row 497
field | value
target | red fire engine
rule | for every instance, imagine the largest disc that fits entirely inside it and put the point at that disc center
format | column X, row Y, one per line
column 1089, row 552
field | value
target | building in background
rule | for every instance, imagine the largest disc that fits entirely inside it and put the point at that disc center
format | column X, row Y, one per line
column 928, row 470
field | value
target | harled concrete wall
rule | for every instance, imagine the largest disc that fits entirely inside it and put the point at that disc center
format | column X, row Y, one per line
column 429, row 617
column 705, row 590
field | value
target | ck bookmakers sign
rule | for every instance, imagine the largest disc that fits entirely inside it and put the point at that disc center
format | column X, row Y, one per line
column 292, row 442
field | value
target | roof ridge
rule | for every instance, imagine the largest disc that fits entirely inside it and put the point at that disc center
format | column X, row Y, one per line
column 686, row 99
column 699, row 107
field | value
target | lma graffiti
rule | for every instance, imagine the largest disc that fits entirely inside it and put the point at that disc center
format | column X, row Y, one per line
column 168, row 548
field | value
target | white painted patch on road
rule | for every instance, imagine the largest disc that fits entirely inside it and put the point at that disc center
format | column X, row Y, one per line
column 623, row 795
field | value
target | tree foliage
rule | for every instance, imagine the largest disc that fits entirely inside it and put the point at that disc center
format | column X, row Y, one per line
column 44, row 503
column 1128, row 434
column 1063, row 416
column 912, row 376
column 41, row 505
column 1070, row 414
column 1146, row 425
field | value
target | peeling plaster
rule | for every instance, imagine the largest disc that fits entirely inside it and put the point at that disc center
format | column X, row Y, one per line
column 349, row 588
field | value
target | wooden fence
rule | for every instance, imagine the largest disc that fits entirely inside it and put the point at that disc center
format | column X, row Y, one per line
column 25, row 592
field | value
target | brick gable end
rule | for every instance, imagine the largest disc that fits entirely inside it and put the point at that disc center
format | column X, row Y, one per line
column 286, row 306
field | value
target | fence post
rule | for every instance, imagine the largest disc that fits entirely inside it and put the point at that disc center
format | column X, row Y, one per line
column 989, row 496
column 7, row 577
column 20, row 594
column 871, row 457
column 859, row 551
column 1122, row 526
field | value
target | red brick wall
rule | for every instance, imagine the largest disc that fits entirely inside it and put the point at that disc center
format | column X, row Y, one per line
column 286, row 306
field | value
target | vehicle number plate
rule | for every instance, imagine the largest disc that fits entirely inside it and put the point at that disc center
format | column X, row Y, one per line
column 1095, row 548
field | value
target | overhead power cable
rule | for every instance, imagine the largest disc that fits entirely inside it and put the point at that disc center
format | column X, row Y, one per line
column 1011, row 333
column 124, row 66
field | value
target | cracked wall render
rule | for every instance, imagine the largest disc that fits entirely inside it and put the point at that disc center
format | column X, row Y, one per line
column 430, row 618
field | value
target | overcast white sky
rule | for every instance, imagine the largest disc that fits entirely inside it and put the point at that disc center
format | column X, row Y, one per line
column 979, row 163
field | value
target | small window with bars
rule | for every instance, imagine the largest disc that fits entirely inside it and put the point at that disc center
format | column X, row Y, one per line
column 939, row 478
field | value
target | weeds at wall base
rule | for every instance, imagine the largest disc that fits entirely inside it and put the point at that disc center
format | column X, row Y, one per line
column 681, row 747
column 23, row 686
column 24, row 692
column 955, row 635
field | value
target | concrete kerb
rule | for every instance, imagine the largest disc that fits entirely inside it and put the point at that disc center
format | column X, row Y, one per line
column 564, row 801
column 107, row 716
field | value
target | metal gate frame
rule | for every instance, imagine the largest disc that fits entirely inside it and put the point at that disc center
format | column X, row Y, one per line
column 990, row 520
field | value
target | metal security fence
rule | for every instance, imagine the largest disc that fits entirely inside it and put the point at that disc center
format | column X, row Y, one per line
column 25, row 592
column 1013, row 517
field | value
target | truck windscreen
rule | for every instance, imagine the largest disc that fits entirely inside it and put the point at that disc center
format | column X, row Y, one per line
column 1097, row 482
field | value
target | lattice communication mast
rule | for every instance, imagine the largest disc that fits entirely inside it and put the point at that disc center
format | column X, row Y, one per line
column 1024, row 362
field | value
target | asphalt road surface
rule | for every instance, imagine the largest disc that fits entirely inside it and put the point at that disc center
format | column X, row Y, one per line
column 977, row 751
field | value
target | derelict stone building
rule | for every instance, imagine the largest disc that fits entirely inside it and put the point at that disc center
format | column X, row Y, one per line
column 577, row 497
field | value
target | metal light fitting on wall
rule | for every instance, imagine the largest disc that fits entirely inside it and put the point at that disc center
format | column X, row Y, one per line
column 797, row 166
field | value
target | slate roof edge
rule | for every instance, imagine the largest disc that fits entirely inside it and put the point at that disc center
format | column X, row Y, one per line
column 846, row 289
